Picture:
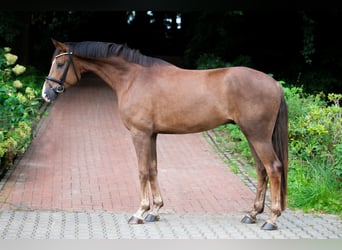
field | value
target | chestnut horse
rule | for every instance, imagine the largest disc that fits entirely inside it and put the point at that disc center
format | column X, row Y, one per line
column 157, row 97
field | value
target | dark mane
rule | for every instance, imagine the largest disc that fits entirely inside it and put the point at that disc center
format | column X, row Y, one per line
column 92, row 49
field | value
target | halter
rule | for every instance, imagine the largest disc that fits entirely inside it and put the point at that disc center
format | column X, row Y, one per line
column 60, row 88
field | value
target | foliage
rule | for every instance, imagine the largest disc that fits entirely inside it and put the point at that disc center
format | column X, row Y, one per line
column 213, row 33
column 315, row 138
column 317, row 80
column 308, row 39
column 303, row 49
column 315, row 148
column 19, row 104
column 315, row 128
column 210, row 61
column 9, row 27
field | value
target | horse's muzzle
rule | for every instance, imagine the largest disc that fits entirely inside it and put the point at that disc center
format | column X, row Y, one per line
column 49, row 94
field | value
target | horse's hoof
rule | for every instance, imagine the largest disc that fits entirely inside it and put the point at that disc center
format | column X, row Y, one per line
column 152, row 218
column 135, row 220
column 269, row 226
column 248, row 220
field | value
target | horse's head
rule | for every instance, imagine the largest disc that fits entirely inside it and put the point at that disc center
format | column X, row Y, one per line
column 63, row 72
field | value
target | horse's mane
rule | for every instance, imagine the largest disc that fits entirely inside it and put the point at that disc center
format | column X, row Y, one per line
column 91, row 49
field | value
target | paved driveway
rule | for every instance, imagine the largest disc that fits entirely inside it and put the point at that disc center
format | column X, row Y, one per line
column 79, row 179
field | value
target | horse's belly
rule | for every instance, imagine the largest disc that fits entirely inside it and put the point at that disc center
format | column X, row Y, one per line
column 183, row 122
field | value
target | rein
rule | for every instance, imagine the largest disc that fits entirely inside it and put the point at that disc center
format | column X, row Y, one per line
column 60, row 88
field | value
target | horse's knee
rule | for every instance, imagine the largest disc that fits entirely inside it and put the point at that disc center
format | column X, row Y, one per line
column 144, row 175
column 153, row 173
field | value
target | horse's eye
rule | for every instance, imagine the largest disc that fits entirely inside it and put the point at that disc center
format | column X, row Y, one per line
column 60, row 65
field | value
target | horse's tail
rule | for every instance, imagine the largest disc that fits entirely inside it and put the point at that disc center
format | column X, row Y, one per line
column 280, row 144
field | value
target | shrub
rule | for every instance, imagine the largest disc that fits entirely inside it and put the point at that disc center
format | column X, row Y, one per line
column 19, row 104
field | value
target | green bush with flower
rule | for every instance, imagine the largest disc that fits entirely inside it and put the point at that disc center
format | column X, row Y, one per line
column 19, row 106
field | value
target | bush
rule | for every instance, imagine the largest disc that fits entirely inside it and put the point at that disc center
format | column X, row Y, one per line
column 19, row 104
column 315, row 129
column 315, row 146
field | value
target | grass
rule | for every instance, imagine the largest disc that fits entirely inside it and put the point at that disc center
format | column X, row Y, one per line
column 315, row 190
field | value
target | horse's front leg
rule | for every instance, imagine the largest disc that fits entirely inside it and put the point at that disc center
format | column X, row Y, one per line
column 142, row 144
column 156, row 195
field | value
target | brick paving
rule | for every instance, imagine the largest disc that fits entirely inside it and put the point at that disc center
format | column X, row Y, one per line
column 79, row 179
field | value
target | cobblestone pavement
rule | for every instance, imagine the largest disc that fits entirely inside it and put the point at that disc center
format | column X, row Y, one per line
column 113, row 225
column 78, row 180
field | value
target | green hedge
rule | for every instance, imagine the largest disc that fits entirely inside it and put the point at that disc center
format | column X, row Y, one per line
column 20, row 89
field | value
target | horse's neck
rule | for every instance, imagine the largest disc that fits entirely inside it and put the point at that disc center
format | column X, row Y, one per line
column 116, row 72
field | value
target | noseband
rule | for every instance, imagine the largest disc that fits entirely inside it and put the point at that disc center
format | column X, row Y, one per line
column 60, row 88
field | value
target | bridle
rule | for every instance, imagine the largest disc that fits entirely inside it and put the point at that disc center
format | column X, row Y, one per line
column 60, row 88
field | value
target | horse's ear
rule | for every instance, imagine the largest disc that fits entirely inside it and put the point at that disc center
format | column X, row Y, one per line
column 59, row 45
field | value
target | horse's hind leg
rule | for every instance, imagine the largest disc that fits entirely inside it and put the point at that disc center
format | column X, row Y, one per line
column 267, row 156
column 259, row 202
